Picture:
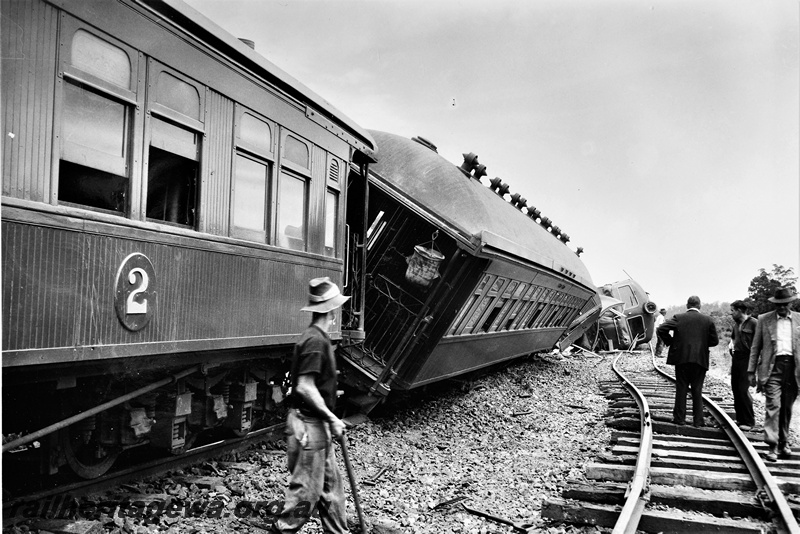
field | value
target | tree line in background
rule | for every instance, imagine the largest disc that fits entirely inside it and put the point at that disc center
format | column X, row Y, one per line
column 762, row 287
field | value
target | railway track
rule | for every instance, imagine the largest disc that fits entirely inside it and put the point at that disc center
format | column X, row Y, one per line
column 662, row 477
column 74, row 489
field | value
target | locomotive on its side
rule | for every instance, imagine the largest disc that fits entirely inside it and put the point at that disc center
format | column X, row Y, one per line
column 627, row 318
column 167, row 195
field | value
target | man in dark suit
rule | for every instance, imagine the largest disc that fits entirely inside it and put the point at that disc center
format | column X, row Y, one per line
column 689, row 336
column 775, row 355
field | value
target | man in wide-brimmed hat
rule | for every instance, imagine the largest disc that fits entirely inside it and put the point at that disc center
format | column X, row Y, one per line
column 775, row 359
column 311, row 424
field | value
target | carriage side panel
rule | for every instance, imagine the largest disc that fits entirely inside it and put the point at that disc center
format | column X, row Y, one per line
column 29, row 44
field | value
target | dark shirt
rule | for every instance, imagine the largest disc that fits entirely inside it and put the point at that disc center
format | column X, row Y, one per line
column 313, row 354
column 742, row 335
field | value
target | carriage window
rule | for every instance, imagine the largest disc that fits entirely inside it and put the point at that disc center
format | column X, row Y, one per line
column 172, row 173
column 178, row 95
column 94, row 132
column 250, row 195
column 331, row 218
column 252, row 178
column 93, row 121
column 255, row 133
column 627, row 296
column 291, row 212
column 100, row 58
column 296, row 151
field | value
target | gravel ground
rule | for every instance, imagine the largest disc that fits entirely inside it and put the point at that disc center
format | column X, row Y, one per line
column 503, row 444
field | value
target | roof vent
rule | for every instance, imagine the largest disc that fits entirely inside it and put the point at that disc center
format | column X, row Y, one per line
column 534, row 213
column 471, row 165
column 518, row 201
column 579, row 251
column 497, row 185
column 424, row 142
column 248, row 42
column 546, row 223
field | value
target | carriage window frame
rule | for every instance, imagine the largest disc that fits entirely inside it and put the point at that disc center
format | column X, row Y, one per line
column 331, row 226
column 629, row 303
column 507, row 320
column 333, row 190
column 157, row 111
column 289, row 170
column 284, row 176
column 262, row 155
column 459, row 322
column 100, row 164
column 491, row 298
column 505, row 304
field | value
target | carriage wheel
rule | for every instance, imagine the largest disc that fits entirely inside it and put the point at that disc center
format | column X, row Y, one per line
column 86, row 457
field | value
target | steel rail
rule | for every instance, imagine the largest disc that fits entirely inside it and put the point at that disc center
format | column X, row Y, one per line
column 637, row 494
column 765, row 482
column 149, row 468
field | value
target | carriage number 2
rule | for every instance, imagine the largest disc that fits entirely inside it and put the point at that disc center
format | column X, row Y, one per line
column 133, row 307
column 135, row 295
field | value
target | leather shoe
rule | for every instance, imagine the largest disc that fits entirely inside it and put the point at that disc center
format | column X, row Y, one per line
column 679, row 423
column 772, row 455
column 785, row 452
column 745, row 428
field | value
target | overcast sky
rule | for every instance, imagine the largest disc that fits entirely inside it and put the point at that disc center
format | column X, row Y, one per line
column 662, row 136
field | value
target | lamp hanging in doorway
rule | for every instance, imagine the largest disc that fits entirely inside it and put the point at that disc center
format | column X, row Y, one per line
column 423, row 264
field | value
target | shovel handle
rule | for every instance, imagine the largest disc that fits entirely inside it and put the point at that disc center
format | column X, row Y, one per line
column 352, row 477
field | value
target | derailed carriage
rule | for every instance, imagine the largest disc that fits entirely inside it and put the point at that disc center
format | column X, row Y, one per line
column 168, row 193
column 455, row 278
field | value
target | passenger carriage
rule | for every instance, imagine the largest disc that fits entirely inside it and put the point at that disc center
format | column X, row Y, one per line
column 504, row 284
column 167, row 195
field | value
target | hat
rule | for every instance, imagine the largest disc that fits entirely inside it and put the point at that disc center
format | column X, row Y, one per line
column 663, row 310
column 782, row 296
column 324, row 296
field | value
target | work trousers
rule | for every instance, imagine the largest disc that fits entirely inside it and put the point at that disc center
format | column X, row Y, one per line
column 315, row 480
column 689, row 376
column 740, row 386
column 780, row 392
column 659, row 346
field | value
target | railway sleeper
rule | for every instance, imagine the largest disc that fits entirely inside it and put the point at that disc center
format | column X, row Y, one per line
column 719, row 503
column 667, row 522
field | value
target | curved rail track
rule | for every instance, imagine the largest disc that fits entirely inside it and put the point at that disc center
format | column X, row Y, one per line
column 663, row 477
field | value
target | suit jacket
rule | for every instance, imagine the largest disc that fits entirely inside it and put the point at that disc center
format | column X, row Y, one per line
column 762, row 352
column 688, row 336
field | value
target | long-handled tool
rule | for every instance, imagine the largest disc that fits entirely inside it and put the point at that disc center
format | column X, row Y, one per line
column 351, row 475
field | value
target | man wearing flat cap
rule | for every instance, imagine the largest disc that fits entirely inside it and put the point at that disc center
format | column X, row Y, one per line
column 311, row 425
column 775, row 360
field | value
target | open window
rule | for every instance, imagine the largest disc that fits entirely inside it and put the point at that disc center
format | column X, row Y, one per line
column 175, row 131
column 98, row 99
